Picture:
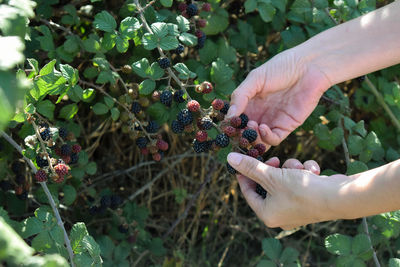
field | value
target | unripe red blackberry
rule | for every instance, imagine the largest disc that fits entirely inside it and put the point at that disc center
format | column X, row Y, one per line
column 162, row 145
column 144, row 151
column 193, row 106
column 199, row 33
column 59, row 180
column 185, row 14
column 250, row 135
column 41, row 176
column 229, row 131
column 253, row 153
column 217, row 104
column 76, row 148
column 261, row 148
column 66, row 159
column 206, row 7
column 243, row 142
column 201, row 136
column 182, row 6
column 236, row 122
column 202, row 23
column 61, row 169
column 156, row 156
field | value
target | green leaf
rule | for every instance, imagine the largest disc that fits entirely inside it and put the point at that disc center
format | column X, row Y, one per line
column 360, row 244
column 100, row 109
column 356, row 167
column 70, row 74
column 289, row 255
column 169, row 43
column 115, row 113
column 159, row 29
column 209, row 52
column 34, row 64
column 167, row 3
column 188, row 39
column 279, row 4
column 223, row 153
column 217, row 21
column 69, row 111
column 266, row 263
column 122, row 43
column 156, row 247
column 360, row 128
column 183, row 23
column 250, row 5
column 394, row 262
column 301, row 6
column 109, row 101
column 30, row 109
column 108, row 41
column 184, row 72
column 338, row 244
column 267, row 11
column 355, row 145
column 159, row 112
column 129, row 26
column 46, row 41
column 149, row 41
column 78, row 232
column 71, row 45
column 91, row 168
column 155, row 71
column 31, row 226
column 46, row 108
column 70, row 195
column 91, row 45
column 105, row 22
column 220, row 71
column 272, row 248
column 147, row 87
column 141, row 67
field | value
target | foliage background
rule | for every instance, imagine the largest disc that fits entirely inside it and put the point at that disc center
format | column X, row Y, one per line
column 59, row 57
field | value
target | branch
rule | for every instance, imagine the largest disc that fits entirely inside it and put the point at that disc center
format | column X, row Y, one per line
column 48, row 194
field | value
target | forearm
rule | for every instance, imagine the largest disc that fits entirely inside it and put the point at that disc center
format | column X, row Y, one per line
column 371, row 192
column 357, row 47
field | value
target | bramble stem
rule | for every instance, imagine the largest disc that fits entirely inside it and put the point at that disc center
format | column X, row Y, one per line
column 48, row 194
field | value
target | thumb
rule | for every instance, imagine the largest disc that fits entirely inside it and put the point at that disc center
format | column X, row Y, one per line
column 256, row 170
column 246, row 91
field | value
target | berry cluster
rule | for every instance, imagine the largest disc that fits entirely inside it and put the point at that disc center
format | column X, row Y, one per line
column 106, row 201
column 155, row 147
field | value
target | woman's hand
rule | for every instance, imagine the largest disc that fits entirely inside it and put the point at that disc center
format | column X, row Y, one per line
column 279, row 95
column 297, row 194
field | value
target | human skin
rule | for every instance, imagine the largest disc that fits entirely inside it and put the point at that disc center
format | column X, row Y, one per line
column 278, row 97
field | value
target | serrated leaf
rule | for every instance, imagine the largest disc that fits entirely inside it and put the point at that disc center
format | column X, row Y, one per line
column 159, row 29
column 394, row 262
column 31, row 226
column 184, row 72
column 147, row 87
column 104, row 21
column 69, row 73
column 338, row 244
column 149, row 41
column 209, row 52
column 183, row 23
column 122, row 42
column 360, row 244
column 70, row 195
column 141, row 67
column 100, row 109
column 68, row 111
column 109, row 101
column 169, row 43
column 46, row 108
column 159, row 112
column 355, row 145
column 266, row 263
column 78, row 232
column 155, row 72
column 250, row 5
column 289, row 255
column 267, row 11
column 91, row 168
column 220, row 71
column 272, row 248
column 115, row 113
column 167, row 3
column 356, row 167
column 188, row 39
column 129, row 26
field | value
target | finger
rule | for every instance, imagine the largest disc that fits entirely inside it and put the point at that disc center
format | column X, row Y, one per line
column 248, row 188
column 272, row 137
column 254, row 169
column 290, row 227
column 312, row 166
column 246, row 91
column 254, row 125
column 273, row 162
column 293, row 164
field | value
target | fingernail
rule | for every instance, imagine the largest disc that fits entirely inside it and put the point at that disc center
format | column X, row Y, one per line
column 231, row 112
column 314, row 169
column 263, row 132
column 234, row 159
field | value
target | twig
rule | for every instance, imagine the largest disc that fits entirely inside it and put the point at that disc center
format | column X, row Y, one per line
column 190, row 204
column 48, row 194
column 382, row 102
column 57, row 26
column 330, row 16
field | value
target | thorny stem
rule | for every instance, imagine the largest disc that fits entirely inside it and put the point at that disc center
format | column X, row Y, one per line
column 364, row 219
column 99, row 88
column 170, row 72
column 48, row 194
column 123, row 83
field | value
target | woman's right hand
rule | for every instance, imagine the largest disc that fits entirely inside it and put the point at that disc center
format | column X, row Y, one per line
column 279, row 95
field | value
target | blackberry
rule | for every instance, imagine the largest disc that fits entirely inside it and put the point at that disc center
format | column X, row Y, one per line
column 177, row 127
column 105, row 201
column 141, row 142
column 201, row 41
column 244, row 119
column 225, row 109
column 41, row 162
column 162, row 145
column 23, row 195
column 156, row 156
column 180, row 49
column 93, row 210
column 201, row 136
column 206, row 123
column 222, row 140
column 193, row 106
column 41, row 176
column 76, row 148
column 185, row 117
column 136, row 107
column 261, row 148
column 66, row 150
column 45, row 134
column 152, row 127
column 115, row 201
column 192, row 10
column 178, row 96
column 261, row 191
column 230, row 169
column 166, row 98
column 217, row 104
column 199, row 147
column 123, row 229
column 63, row 132
column 250, row 135
column 61, row 169
column 164, row 62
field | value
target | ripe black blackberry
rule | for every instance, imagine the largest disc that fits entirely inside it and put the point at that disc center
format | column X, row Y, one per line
column 63, row 132
column 166, row 98
column 261, row 191
column 105, row 201
column 230, row 169
column 123, row 229
column 250, row 135
column 45, row 134
column 222, row 140
column 185, row 117
column 180, row 49
column 23, row 196
column 136, row 107
column 177, row 127
column 141, row 142
column 41, row 162
column 164, row 62
column 115, row 201
column 178, row 96
column 206, row 123
column 201, row 41
column 66, row 150
column 199, row 147
column 74, row 158
column 225, row 109
column 152, row 127
column 192, row 10
column 244, row 119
